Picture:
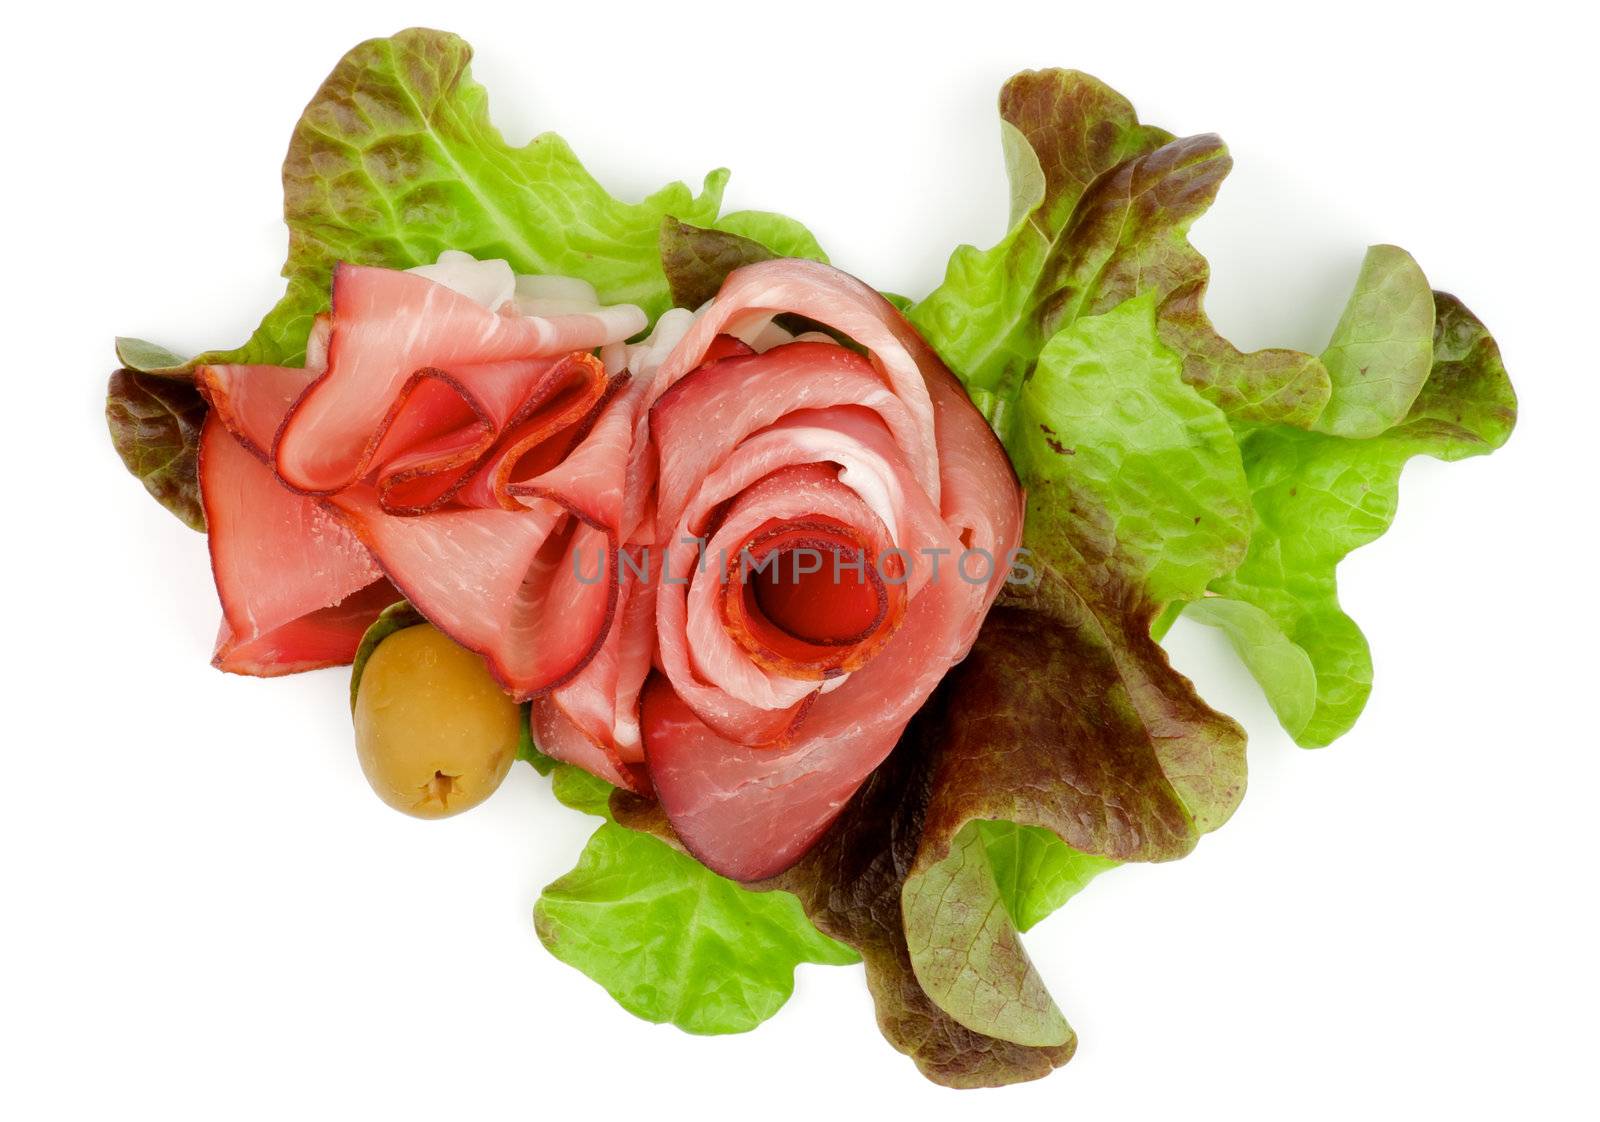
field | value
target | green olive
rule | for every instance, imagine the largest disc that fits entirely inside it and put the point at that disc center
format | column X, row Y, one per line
column 435, row 733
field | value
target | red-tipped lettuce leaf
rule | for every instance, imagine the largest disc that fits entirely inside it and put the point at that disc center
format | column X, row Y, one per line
column 155, row 428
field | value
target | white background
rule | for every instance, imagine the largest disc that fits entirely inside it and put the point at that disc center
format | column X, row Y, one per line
column 207, row 914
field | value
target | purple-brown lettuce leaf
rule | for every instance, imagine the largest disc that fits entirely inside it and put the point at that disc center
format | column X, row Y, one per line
column 1101, row 207
column 850, row 884
column 919, row 873
column 696, row 260
column 155, row 428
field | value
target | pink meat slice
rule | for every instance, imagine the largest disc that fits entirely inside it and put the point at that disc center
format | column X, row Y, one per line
column 749, row 812
column 326, row 637
column 750, row 297
column 533, row 591
column 834, row 299
column 386, row 326
column 761, row 478
column 728, row 442
column 251, row 401
column 561, row 739
column 472, row 458
column 297, row 588
column 592, row 721
column 461, row 436
column 703, row 417
column 590, row 478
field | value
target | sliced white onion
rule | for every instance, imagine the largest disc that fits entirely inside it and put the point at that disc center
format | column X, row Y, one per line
column 490, row 283
column 569, row 289
column 644, row 358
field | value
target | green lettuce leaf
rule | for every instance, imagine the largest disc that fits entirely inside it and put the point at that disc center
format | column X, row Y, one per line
column 1034, row 871
column 1382, row 348
column 1060, row 130
column 155, row 428
column 574, row 787
column 1067, row 743
column 1107, row 416
column 850, row 885
column 395, row 160
column 1101, row 206
column 853, row 885
column 1137, row 496
column 782, row 235
column 1284, row 669
column 669, row 939
column 1319, row 496
column 150, row 358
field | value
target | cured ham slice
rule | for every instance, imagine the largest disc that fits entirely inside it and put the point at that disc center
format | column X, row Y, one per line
column 386, row 326
column 298, row 590
column 470, row 458
column 774, row 697
column 532, row 591
column 325, row 637
column 753, row 295
column 749, row 812
column 593, row 720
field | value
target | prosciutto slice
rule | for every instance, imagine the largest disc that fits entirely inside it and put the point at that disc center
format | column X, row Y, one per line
column 773, row 698
column 387, row 326
column 298, row 590
column 593, row 721
column 470, row 458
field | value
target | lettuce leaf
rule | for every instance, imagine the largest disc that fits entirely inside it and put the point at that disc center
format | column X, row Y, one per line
column 576, row 788
column 1101, row 206
column 155, row 428
column 1319, row 496
column 395, row 160
column 1107, row 416
column 1154, row 455
column 1034, row 871
column 1382, row 347
column 1119, row 427
column 669, row 939
column 1060, row 130
column 1284, row 669
column 782, row 235
column 853, row 882
column 696, row 261
column 850, row 883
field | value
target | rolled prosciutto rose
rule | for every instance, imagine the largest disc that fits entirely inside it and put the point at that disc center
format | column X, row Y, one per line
column 830, row 525
column 451, row 439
